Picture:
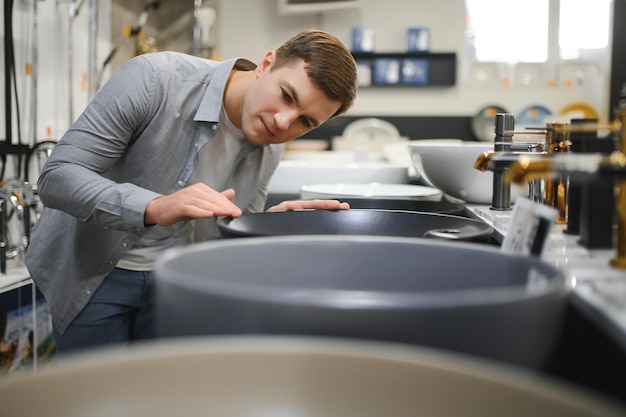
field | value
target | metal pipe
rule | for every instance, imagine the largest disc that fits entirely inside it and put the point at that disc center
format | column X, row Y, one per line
column 34, row 71
column 92, row 66
column 70, row 59
column 579, row 128
column 8, row 69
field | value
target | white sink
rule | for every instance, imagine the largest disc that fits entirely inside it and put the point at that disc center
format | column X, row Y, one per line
column 370, row 190
column 450, row 168
column 292, row 174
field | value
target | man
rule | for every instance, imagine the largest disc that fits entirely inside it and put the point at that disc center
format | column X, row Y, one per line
column 169, row 143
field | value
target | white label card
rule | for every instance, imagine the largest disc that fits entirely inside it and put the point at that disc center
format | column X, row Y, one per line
column 529, row 228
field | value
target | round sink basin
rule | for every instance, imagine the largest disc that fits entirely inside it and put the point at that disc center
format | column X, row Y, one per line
column 398, row 153
column 450, row 168
column 291, row 175
column 356, row 222
column 448, row 295
column 280, row 376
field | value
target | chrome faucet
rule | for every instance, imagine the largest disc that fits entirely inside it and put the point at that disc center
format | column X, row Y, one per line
column 553, row 191
column 5, row 199
column 505, row 151
column 501, row 196
column 499, row 162
column 16, row 201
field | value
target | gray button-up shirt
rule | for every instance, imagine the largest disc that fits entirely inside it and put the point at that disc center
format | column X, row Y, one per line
column 137, row 140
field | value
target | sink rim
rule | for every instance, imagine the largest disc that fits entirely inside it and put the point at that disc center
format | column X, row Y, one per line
column 387, row 300
column 475, row 230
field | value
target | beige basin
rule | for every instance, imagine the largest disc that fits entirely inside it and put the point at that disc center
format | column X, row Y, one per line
column 287, row 377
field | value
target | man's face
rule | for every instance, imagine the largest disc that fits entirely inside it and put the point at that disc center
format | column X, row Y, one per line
column 283, row 104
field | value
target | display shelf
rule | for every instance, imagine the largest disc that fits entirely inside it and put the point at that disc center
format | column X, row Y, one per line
column 406, row 69
column 25, row 323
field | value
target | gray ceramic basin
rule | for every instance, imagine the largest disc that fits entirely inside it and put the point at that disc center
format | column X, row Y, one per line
column 424, row 206
column 455, row 296
column 356, row 222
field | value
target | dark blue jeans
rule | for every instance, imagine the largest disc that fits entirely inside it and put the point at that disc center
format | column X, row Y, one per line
column 119, row 312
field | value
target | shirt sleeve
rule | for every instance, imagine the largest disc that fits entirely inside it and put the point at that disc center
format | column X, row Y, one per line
column 77, row 176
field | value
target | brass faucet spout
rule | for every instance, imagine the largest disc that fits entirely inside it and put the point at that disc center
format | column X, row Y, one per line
column 578, row 166
column 525, row 170
column 497, row 160
column 484, row 160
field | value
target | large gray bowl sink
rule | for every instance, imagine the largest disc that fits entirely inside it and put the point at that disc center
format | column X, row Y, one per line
column 456, row 296
column 356, row 222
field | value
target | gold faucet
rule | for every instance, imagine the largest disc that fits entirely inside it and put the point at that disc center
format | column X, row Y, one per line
column 484, row 160
column 527, row 168
column 620, row 201
column 555, row 192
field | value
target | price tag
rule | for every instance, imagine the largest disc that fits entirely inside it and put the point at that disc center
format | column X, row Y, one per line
column 529, row 228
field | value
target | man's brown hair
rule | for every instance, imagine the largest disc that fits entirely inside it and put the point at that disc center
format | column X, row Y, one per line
column 327, row 62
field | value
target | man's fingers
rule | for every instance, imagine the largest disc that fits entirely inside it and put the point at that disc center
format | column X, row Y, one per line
column 310, row 205
column 194, row 202
column 229, row 194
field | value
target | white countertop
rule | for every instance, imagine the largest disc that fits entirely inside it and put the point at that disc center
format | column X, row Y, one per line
column 599, row 290
column 15, row 277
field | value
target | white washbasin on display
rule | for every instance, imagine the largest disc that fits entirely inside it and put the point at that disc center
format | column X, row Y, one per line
column 339, row 156
column 450, row 168
column 329, row 167
column 370, row 190
column 398, row 153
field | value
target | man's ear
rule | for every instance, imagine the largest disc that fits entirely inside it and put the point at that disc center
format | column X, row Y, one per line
column 266, row 63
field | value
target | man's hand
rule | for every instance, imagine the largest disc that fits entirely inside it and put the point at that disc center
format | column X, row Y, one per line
column 310, row 205
column 197, row 201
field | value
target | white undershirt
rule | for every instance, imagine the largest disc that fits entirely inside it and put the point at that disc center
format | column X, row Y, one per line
column 216, row 162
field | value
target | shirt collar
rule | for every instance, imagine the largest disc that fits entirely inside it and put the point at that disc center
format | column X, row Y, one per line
column 212, row 102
